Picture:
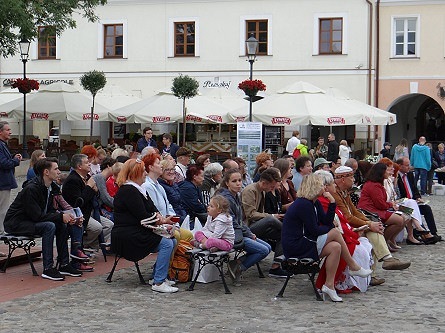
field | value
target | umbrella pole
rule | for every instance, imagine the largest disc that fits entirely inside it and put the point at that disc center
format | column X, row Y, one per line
column 183, row 122
column 91, row 122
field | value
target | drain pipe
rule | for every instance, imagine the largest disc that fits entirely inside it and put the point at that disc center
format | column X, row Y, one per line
column 369, row 69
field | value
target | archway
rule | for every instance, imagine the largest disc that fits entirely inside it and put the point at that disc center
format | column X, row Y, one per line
column 417, row 115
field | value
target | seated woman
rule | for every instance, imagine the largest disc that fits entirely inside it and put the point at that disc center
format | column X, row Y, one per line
column 35, row 156
column 191, row 195
column 105, row 201
column 359, row 247
column 171, row 188
column 157, row 193
column 286, row 187
column 413, row 220
column 247, row 180
column 212, row 177
column 309, row 232
column 255, row 248
column 203, row 160
column 129, row 238
column 263, row 160
column 373, row 198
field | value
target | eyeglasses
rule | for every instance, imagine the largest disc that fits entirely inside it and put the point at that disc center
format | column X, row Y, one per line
column 169, row 170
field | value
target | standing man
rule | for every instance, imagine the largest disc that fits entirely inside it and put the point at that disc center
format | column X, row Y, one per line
column 332, row 148
column 146, row 140
column 293, row 142
column 421, row 161
column 7, row 166
column 33, row 213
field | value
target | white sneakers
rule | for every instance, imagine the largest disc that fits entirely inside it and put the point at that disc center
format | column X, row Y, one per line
column 169, row 282
column 164, row 287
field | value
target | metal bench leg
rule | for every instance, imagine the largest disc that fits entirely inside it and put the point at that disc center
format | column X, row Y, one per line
column 27, row 249
column 317, row 294
column 116, row 260
column 11, row 249
column 221, row 273
column 192, row 286
column 280, row 294
column 260, row 272
column 141, row 278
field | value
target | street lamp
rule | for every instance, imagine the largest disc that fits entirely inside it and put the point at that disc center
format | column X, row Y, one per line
column 252, row 47
column 24, row 53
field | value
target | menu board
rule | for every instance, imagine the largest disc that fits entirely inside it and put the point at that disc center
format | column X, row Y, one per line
column 249, row 143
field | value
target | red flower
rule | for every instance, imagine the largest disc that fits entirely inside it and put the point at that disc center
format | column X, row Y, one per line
column 249, row 86
column 25, row 85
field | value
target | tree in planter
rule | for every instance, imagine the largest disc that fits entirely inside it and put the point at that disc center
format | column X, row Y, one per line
column 184, row 87
column 19, row 19
column 93, row 81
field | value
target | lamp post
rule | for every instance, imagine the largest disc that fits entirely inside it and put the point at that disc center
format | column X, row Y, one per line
column 252, row 46
column 24, row 53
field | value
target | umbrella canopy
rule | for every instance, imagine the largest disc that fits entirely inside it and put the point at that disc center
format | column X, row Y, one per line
column 302, row 103
column 9, row 95
column 56, row 101
column 164, row 107
column 113, row 97
column 226, row 98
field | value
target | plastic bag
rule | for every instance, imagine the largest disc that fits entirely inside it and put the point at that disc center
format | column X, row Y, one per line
column 186, row 225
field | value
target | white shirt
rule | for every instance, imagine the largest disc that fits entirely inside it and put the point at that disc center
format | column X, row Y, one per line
column 291, row 144
column 95, row 169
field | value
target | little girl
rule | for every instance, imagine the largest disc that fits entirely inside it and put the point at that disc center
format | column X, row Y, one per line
column 218, row 232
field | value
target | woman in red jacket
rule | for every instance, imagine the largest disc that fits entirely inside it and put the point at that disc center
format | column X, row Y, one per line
column 373, row 198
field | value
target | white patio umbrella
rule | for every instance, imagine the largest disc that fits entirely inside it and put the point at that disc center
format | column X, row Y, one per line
column 164, row 107
column 56, row 101
column 227, row 98
column 8, row 95
column 302, row 103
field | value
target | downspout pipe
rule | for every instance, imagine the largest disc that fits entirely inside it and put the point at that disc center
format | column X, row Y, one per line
column 370, row 66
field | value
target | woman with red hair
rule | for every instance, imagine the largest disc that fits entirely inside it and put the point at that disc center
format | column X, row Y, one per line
column 130, row 239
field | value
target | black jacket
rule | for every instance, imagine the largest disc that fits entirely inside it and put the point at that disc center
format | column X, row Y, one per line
column 332, row 151
column 28, row 208
column 74, row 188
column 401, row 186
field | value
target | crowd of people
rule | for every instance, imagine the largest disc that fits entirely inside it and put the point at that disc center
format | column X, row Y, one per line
column 304, row 207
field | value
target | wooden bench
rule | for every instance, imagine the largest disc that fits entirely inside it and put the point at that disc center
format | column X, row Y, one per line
column 23, row 242
column 295, row 266
column 205, row 257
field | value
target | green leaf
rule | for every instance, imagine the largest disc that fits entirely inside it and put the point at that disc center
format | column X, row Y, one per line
column 93, row 81
column 185, row 87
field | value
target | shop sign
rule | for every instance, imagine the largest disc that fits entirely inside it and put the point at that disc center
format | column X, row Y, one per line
column 38, row 115
column 215, row 117
column 193, row 118
column 121, row 119
column 336, row 120
column 281, row 121
column 160, row 119
column 222, row 84
column 87, row 116
column 9, row 82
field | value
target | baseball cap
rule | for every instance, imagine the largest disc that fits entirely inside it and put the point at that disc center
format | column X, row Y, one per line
column 319, row 161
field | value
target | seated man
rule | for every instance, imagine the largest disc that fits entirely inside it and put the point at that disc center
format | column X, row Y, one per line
column 264, row 226
column 33, row 213
column 344, row 179
column 79, row 191
column 408, row 189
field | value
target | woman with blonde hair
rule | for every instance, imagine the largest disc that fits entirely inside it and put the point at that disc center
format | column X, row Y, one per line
column 344, row 151
column 35, row 156
column 401, row 150
column 309, row 232
column 130, row 239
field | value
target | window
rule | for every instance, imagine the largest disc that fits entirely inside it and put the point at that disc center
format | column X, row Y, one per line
column 331, row 36
column 184, row 39
column 258, row 28
column 46, row 43
column 113, row 41
column 405, row 37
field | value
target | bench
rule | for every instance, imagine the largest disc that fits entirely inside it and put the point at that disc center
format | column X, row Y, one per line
column 295, row 266
column 116, row 260
column 205, row 257
column 23, row 242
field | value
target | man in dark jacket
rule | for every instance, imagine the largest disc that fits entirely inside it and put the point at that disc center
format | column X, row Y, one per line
column 147, row 140
column 79, row 191
column 408, row 189
column 7, row 166
column 33, row 213
column 332, row 148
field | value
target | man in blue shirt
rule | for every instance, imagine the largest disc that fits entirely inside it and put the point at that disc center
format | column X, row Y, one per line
column 7, row 166
column 147, row 140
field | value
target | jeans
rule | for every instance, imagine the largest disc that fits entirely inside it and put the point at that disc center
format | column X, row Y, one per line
column 164, row 250
column 47, row 230
column 256, row 251
column 269, row 228
column 76, row 233
column 423, row 174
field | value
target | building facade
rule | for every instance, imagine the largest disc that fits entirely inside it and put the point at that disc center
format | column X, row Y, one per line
column 141, row 45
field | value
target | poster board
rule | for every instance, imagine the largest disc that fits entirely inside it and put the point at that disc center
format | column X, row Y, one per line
column 249, row 143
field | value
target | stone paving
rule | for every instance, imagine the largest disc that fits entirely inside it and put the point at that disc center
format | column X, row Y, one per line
column 409, row 301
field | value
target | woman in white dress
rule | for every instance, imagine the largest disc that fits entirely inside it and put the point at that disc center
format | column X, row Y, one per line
column 344, row 151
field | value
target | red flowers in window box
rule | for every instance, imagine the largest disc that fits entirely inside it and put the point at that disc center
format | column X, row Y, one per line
column 251, row 87
column 25, row 85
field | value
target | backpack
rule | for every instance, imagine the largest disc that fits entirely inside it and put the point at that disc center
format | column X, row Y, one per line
column 296, row 153
column 181, row 265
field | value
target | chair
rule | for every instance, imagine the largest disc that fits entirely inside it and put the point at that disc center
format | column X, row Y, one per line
column 23, row 242
column 116, row 260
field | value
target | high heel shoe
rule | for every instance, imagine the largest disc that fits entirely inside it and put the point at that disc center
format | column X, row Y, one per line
column 408, row 242
column 331, row 293
column 362, row 272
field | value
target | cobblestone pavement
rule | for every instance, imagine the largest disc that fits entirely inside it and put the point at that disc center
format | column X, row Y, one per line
column 410, row 300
